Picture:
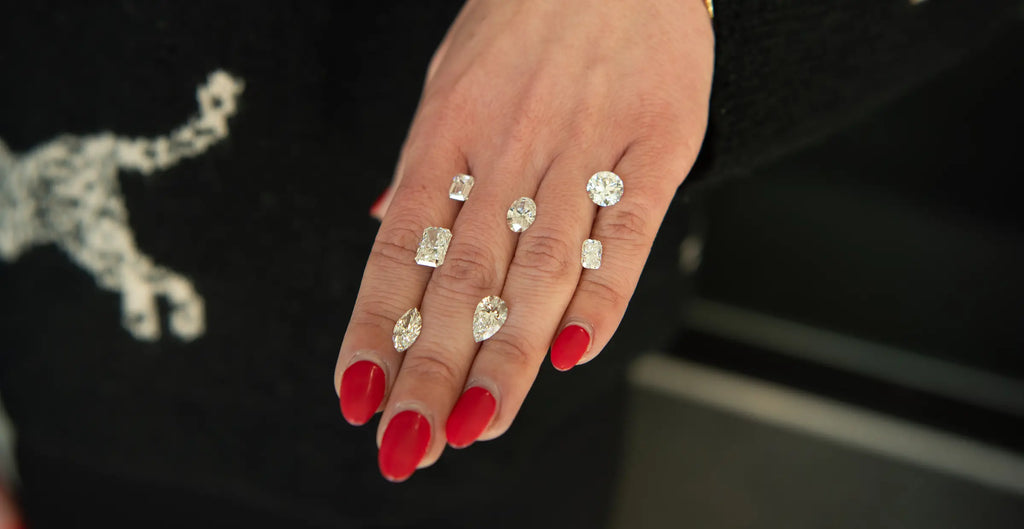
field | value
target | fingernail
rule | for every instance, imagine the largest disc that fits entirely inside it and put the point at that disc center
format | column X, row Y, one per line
column 469, row 418
column 569, row 347
column 362, row 389
column 378, row 205
column 403, row 446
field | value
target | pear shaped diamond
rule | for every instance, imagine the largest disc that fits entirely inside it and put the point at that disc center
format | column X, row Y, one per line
column 490, row 315
column 605, row 188
column 407, row 329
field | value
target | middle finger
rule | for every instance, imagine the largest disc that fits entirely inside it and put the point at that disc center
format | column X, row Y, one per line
column 435, row 367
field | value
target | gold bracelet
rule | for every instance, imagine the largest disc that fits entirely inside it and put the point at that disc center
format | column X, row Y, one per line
column 711, row 8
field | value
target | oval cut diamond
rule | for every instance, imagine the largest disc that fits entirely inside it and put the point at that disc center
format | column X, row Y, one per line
column 605, row 188
column 521, row 214
column 488, row 318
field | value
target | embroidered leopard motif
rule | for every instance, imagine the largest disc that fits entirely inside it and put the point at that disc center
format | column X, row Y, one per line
column 66, row 192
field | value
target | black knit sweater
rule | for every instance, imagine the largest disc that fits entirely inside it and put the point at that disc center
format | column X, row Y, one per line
column 241, row 426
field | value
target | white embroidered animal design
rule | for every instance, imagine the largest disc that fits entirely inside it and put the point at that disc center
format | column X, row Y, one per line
column 66, row 192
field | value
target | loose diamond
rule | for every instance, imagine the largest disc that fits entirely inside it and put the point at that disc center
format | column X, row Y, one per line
column 521, row 214
column 490, row 315
column 433, row 246
column 592, row 250
column 605, row 188
column 462, row 184
column 407, row 329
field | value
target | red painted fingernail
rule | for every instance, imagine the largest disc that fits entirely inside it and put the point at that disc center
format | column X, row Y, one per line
column 469, row 418
column 379, row 203
column 362, row 389
column 569, row 347
column 404, row 444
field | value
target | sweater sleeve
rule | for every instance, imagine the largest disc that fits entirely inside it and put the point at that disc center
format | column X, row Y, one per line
column 789, row 72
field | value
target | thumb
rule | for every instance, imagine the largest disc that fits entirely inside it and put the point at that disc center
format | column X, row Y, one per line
column 380, row 206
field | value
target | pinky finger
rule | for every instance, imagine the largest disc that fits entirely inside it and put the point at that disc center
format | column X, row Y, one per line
column 626, row 231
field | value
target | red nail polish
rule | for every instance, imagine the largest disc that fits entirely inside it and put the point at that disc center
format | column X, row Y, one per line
column 375, row 208
column 362, row 389
column 569, row 347
column 404, row 445
column 470, row 417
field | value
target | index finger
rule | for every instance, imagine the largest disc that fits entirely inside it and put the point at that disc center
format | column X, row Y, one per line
column 393, row 283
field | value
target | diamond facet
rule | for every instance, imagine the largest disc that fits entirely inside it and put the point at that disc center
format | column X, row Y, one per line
column 407, row 329
column 605, row 188
column 489, row 316
column 462, row 184
column 433, row 246
column 591, row 258
column 521, row 214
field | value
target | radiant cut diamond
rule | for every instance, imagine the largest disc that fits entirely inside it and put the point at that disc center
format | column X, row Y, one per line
column 407, row 329
column 490, row 315
column 433, row 246
column 591, row 258
column 521, row 214
column 462, row 184
column 605, row 188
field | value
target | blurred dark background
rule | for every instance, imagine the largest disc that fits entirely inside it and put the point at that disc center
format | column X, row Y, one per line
column 878, row 271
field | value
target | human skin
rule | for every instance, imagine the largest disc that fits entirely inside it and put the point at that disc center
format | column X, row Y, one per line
column 531, row 97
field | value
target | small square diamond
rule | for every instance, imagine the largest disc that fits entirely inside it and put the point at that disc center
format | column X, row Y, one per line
column 462, row 184
column 433, row 246
column 591, row 258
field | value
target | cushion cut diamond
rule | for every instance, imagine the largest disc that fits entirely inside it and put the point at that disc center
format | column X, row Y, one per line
column 489, row 316
column 433, row 246
column 605, row 188
column 521, row 214
column 462, row 184
column 591, row 258
column 407, row 329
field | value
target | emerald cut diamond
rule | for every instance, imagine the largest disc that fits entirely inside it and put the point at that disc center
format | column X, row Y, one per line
column 433, row 246
column 462, row 184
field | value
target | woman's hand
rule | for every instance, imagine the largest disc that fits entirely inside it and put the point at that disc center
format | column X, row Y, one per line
column 531, row 97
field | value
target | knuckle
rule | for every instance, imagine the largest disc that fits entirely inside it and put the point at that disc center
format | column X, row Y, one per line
column 547, row 255
column 529, row 115
column 435, row 136
column 667, row 152
column 512, row 351
column 626, row 223
column 432, row 370
column 443, row 109
column 440, row 104
column 375, row 314
column 661, row 118
column 605, row 294
column 472, row 268
column 396, row 244
column 657, row 109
